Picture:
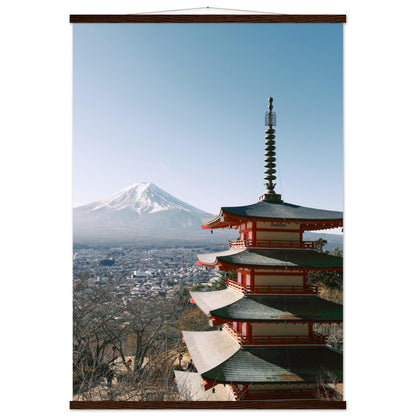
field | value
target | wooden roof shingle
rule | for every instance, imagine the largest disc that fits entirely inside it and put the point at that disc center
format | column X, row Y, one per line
column 266, row 210
column 279, row 365
column 309, row 259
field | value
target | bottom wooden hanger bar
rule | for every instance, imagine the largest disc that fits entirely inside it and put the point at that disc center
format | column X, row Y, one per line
column 278, row 404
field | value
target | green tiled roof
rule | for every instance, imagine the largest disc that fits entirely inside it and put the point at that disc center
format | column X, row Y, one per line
column 279, row 364
column 281, row 308
column 279, row 211
column 273, row 258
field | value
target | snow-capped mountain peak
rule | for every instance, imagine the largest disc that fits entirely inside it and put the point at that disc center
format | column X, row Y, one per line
column 141, row 212
column 143, row 198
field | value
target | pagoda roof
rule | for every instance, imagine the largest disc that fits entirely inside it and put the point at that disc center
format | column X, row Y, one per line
column 209, row 348
column 278, row 364
column 307, row 259
column 190, row 387
column 281, row 308
column 208, row 301
column 259, row 364
column 276, row 211
column 268, row 308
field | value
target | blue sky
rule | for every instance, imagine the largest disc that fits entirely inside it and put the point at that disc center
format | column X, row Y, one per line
column 182, row 106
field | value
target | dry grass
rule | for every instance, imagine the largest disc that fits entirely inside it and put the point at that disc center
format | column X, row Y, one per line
column 334, row 295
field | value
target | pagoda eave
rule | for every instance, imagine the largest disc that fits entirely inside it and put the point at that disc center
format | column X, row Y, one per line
column 223, row 221
column 218, row 358
column 281, row 259
column 313, row 226
column 227, row 305
column 227, row 267
column 222, row 266
column 193, row 387
column 277, row 365
column 218, row 320
column 308, row 218
column 231, row 221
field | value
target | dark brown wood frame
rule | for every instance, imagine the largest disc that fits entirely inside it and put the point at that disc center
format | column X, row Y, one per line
column 209, row 18
column 252, row 404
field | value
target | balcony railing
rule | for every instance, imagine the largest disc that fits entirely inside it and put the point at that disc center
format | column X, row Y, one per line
column 268, row 290
column 275, row 339
column 305, row 245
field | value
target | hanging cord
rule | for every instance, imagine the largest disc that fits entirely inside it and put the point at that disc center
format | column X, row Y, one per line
column 205, row 8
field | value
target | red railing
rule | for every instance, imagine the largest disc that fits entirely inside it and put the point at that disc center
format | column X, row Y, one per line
column 310, row 245
column 264, row 290
column 234, row 285
column 230, row 331
column 275, row 339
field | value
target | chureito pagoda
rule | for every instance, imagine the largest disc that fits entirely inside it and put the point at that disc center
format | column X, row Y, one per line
column 264, row 346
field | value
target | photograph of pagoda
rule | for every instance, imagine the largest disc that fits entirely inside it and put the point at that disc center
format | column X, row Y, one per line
column 207, row 255
column 265, row 346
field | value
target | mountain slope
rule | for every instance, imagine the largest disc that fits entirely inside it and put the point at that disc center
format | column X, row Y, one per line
column 141, row 211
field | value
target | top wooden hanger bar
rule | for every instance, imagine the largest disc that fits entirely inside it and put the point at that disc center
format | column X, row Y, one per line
column 207, row 18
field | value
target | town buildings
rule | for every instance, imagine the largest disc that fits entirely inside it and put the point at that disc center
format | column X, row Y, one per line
column 148, row 272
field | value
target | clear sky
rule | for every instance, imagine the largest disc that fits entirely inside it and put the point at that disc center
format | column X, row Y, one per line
column 182, row 106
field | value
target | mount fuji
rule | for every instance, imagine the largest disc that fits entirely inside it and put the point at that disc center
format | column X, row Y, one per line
column 140, row 212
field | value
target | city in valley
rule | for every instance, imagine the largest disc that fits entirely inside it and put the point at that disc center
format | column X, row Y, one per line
column 147, row 272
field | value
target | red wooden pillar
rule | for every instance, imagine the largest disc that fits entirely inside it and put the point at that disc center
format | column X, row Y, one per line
column 242, row 234
column 305, row 275
column 249, row 330
column 254, row 228
column 240, row 277
column 252, row 279
column 310, row 329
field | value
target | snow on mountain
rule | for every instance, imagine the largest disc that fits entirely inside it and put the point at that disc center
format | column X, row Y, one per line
column 144, row 198
column 140, row 211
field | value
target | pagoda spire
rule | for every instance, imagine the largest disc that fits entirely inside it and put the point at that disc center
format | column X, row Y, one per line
column 270, row 156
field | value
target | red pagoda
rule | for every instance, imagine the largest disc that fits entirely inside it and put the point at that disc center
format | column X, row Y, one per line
column 263, row 345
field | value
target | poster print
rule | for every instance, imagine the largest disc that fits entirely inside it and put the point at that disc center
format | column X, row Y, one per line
column 207, row 251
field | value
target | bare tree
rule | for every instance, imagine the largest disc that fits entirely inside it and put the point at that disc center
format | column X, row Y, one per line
column 328, row 387
column 124, row 347
column 334, row 333
column 93, row 332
